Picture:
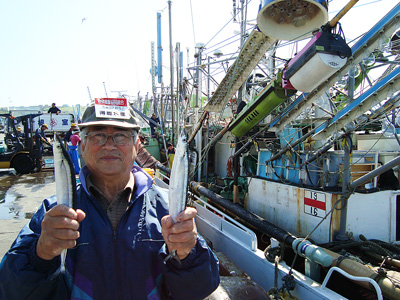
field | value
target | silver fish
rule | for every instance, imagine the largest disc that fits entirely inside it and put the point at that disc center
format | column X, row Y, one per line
column 64, row 174
column 178, row 182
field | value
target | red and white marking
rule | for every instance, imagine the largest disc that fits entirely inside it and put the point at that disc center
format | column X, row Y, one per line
column 314, row 203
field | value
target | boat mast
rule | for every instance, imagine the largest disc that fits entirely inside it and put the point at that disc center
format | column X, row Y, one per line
column 171, row 64
column 159, row 66
column 198, row 85
column 178, row 86
column 153, row 78
column 236, row 159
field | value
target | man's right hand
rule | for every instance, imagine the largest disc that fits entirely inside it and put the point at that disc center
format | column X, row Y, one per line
column 59, row 231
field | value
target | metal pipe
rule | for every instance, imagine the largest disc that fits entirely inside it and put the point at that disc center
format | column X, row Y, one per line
column 252, row 219
column 341, row 235
column 351, row 84
column 199, row 124
column 318, row 154
column 217, row 137
column 391, row 123
column 145, row 118
column 323, row 109
column 365, row 74
column 163, row 168
column 162, row 125
column 208, row 79
column 292, row 145
column 242, row 149
column 282, row 151
column 327, row 147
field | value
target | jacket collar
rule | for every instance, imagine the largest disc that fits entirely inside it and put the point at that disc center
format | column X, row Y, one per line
column 143, row 181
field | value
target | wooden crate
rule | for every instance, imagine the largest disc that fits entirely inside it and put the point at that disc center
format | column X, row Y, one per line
column 359, row 170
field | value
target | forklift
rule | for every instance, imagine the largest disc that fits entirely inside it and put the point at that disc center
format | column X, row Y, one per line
column 17, row 152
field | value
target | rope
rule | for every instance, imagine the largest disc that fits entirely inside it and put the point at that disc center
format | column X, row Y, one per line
column 289, row 284
column 363, row 246
column 340, row 259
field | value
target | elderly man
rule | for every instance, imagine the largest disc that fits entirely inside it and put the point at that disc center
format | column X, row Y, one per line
column 118, row 237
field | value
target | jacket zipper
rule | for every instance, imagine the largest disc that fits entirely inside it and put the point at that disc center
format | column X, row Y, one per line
column 117, row 275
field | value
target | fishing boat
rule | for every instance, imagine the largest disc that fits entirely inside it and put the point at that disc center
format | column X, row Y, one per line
column 295, row 160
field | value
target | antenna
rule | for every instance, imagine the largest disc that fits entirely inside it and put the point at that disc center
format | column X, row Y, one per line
column 104, row 84
column 90, row 96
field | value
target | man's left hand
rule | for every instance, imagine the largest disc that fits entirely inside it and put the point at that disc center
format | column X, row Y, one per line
column 180, row 236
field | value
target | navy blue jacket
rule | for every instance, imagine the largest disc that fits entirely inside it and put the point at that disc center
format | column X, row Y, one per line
column 106, row 264
column 67, row 136
column 39, row 133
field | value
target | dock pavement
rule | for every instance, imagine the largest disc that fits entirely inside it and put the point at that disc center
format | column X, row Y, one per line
column 20, row 197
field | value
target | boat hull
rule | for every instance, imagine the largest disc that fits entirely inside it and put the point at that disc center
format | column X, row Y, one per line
column 240, row 244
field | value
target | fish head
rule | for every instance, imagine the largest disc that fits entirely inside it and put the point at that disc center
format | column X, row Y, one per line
column 183, row 135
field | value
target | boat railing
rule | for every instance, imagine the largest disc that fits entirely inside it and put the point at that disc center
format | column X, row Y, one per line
column 225, row 224
column 216, row 218
column 326, row 172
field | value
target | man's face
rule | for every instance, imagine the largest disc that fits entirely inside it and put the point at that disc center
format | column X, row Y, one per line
column 109, row 159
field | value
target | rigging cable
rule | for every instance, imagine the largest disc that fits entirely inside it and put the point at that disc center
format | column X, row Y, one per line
column 191, row 13
column 227, row 39
column 224, row 26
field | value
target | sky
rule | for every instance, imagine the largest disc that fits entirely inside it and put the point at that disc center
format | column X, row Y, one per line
column 59, row 51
